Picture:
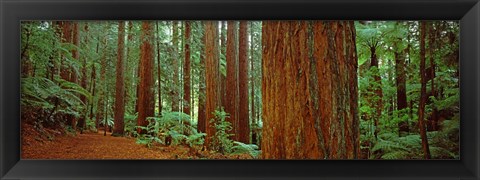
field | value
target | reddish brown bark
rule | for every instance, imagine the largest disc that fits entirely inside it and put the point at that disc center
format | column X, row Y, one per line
column 186, row 70
column 309, row 90
column 119, row 114
column 423, row 94
column 83, row 82
column 243, row 119
column 212, row 78
column 232, row 80
column 145, row 100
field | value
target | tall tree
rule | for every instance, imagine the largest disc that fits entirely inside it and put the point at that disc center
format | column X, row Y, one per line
column 252, row 88
column 145, row 100
column 83, row 83
column 174, row 92
column 159, row 71
column 118, row 130
column 202, row 93
column 243, row 119
column 309, row 90
column 186, row 70
column 232, row 79
column 423, row 94
column 212, row 78
column 400, row 80
column 101, row 92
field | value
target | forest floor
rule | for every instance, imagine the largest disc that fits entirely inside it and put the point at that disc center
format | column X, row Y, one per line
column 54, row 144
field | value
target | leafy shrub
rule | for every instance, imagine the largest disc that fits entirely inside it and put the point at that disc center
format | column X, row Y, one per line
column 221, row 141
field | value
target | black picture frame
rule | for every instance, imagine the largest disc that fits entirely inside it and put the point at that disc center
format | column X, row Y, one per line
column 13, row 11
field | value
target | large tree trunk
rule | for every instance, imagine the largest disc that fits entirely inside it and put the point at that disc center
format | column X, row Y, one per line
column 423, row 94
column 118, row 130
column 145, row 100
column 243, row 119
column 82, row 120
column 309, row 90
column 232, row 79
column 186, row 70
column 212, row 78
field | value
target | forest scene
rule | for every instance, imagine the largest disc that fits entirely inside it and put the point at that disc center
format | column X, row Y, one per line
column 323, row 90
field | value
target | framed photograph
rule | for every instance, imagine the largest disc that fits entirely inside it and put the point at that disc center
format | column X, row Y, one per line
column 239, row 89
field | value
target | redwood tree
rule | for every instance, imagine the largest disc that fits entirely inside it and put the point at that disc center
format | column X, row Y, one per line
column 186, row 70
column 145, row 100
column 243, row 119
column 119, row 85
column 232, row 80
column 309, row 90
column 212, row 78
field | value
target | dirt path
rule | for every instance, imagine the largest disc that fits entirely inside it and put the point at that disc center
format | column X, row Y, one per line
column 89, row 146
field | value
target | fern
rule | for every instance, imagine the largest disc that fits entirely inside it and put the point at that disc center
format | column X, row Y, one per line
column 242, row 148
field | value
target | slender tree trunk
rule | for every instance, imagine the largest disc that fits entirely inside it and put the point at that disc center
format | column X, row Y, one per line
column 309, row 90
column 118, row 130
column 232, row 82
column 223, row 78
column 201, row 124
column 252, row 88
column 423, row 94
column 243, row 119
column 175, row 98
column 146, row 103
column 400, row 81
column 102, row 93
column 212, row 78
column 128, row 69
column 186, row 70
column 377, row 88
column 159, row 73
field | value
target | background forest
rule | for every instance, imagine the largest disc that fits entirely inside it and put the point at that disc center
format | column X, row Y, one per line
column 240, row 89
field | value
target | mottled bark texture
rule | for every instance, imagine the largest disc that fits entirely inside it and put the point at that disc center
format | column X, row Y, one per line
column 212, row 78
column 145, row 94
column 243, row 126
column 119, row 126
column 309, row 90
column 231, row 106
column 186, row 70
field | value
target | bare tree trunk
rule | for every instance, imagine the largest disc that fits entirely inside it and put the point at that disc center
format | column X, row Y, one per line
column 232, row 80
column 145, row 100
column 82, row 120
column 119, row 114
column 423, row 94
column 186, row 70
column 243, row 119
column 175, row 98
column 309, row 90
column 212, row 78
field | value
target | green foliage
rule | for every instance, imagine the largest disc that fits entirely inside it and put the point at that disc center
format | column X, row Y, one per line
column 242, row 148
column 55, row 97
column 221, row 141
